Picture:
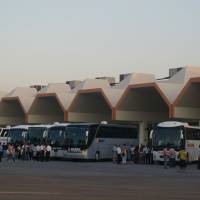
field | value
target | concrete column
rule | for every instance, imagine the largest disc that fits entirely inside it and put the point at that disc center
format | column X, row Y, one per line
column 143, row 133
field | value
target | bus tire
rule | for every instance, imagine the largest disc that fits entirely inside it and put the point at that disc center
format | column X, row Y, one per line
column 97, row 156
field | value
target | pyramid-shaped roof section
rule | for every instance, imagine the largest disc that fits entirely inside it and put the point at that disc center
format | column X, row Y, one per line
column 92, row 84
column 113, row 95
column 21, row 92
column 136, row 78
column 55, row 88
column 25, row 95
column 173, row 86
column 66, row 99
column 185, row 74
column 61, row 91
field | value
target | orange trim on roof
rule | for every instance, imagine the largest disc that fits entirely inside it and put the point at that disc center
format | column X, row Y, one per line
column 66, row 116
column 15, row 99
column 46, row 94
column 145, row 85
column 183, row 91
column 114, row 114
column 85, row 91
column 26, row 118
column 43, row 95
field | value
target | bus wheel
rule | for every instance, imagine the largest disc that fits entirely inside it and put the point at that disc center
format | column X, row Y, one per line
column 97, row 156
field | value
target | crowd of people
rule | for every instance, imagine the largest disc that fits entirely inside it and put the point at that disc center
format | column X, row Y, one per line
column 169, row 155
column 121, row 154
column 136, row 154
column 25, row 152
column 144, row 154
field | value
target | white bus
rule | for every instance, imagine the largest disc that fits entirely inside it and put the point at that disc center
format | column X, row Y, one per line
column 177, row 135
column 4, row 135
column 56, row 137
column 17, row 135
column 37, row 134
column 96, row 141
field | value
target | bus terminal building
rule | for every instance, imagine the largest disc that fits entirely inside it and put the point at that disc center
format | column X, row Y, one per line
column 139, row 99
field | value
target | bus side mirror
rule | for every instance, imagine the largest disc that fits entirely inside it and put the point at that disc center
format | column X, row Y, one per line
column 87, row 133
column 151, row 134
column 182, row 136
column 45, row 133
column 24, row 133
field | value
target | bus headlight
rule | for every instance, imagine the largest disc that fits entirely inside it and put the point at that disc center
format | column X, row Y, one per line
column 84, row 152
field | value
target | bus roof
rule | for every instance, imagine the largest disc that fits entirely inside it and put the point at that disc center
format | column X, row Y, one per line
column 83, row 124
column 119, row 125
column 21, row 127
column 169, row 124
column 60, row 125
column 42, row 126
column 100, row 124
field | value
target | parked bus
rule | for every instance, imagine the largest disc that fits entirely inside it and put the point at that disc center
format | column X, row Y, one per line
column 37, row 134
column 17, row 135
column 177, row 135
column 96, row 141
column 56, row 138
column 4, row 135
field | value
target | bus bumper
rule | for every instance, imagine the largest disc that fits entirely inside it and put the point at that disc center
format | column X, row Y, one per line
column 76, row 155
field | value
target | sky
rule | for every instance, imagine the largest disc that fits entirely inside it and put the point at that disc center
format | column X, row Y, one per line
column 43, row 41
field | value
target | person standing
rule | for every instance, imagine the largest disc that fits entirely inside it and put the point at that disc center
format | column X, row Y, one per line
column 172, row 157
column 38, row 152
column 31, row 150
column 19, row 152
column 48, row 152
column 146, row 154
column 166, row 157
column 119, row 155
column 23, row 152
column 151, row 156
column 114, row 151
column 132, row 152
column 11, row 153
column 183, row 156
column 136, row 154
column 42, row 152
column 124, row 154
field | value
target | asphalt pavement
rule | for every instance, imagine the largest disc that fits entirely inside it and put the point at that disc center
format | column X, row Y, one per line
column 25, row 180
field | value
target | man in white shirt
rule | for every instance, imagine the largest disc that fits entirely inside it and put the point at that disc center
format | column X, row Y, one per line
column 119, row 155
column 38, row 152
column 48, row 152
column 146, row 154
column 42, row 150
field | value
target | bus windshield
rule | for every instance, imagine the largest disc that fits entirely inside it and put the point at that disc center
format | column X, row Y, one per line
column 80, row 136
column 77, row 136
column 17, row 136
column 36, row 135
column 56, row 136
column 167, row 137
